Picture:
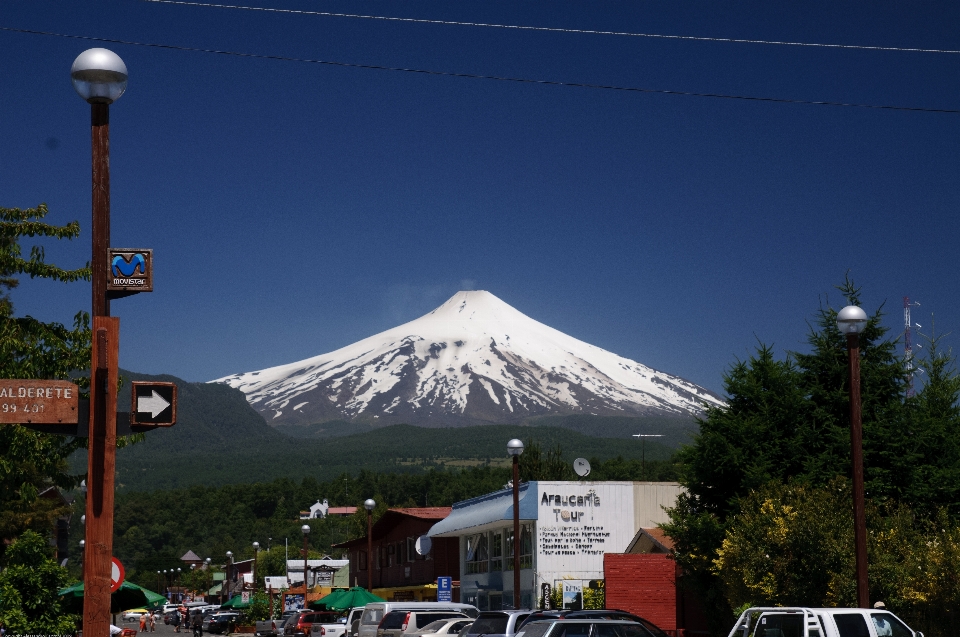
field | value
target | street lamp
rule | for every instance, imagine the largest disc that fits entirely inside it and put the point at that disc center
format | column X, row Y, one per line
column 515, row 448
column 100, row 77
column 369, row 505
column 256, row 556
column 226, row 580
column 306, row 532
column 851, row 321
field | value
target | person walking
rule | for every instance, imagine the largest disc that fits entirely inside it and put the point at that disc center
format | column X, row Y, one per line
column 153, row 621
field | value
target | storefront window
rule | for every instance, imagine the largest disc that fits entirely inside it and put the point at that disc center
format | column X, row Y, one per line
column 477, row 553
column 526, row 546
column 496, row 550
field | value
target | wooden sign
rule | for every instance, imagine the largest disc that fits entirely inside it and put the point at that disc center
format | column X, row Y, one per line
column 131, row 270
column 38, row 402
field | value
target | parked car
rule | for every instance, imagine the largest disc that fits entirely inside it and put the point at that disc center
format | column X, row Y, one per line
column 374, row 611
column 498, row 623
column 563, row 627
column 134, row 615
column 273, row 627
column 604, row 613
column 353, row 621
column 220, row 622
column 403, row 623
column 445, row 626
column 820, row 622
column 299, row 625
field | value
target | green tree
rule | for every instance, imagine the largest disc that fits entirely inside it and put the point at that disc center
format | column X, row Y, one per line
column 28, row 590
column 31, row 461
column 785, row 419
column 535, row 464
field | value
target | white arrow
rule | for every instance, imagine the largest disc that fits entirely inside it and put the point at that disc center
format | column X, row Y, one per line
column 153, row 404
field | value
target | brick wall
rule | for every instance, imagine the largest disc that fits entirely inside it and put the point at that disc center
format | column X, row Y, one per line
column 643, row 584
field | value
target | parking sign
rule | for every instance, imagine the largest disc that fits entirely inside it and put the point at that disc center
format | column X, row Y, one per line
column 444, row 589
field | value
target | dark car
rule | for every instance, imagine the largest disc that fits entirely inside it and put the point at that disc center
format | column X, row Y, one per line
column 498, row 623
column 299, row 625
column 598, row 627
column 600, row 613
column 611, row 623
column 406, row 622
column 220, row 622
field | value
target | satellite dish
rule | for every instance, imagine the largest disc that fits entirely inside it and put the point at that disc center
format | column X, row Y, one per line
column 582, row 467
column 424, row 544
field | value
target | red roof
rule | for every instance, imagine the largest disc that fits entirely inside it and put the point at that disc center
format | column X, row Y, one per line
column 427, row 513
column 341, row 510
column 660, row 536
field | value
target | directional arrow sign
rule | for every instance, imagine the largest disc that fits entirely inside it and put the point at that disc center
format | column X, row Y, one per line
column 153, row 404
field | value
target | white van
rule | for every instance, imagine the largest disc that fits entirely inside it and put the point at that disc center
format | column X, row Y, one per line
column 374, row 612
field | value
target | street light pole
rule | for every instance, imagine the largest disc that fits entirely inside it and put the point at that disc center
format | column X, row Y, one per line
column 100, row 78
column 851, row 321
column 515, row 448
column 306, row 532
column 643, row 451
column 227, row 578
column 369, row 505
column 256, row 556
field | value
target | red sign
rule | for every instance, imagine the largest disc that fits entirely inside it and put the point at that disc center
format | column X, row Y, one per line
column 116, row 575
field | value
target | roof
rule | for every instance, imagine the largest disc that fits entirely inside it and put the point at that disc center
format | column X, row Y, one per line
column 487, row 511
column 426, row 513
column 190, row 556
column 650, row 541
column 341, row 510
column 390, row 519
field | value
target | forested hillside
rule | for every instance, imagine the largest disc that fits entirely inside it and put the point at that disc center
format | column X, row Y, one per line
column 219, row 439
column 153, row 530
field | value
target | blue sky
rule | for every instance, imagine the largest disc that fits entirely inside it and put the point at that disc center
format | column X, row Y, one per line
column 295, row 208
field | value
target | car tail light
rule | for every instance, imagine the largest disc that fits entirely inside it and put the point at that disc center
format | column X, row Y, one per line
column 323, row 631
column 406, row 621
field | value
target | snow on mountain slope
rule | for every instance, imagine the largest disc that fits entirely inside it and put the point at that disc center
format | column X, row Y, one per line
column 472, row 360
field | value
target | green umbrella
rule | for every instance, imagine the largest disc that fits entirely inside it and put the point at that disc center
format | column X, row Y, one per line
column 324, row 602
column 235, row 602
column 128, row 596
column 356, row 596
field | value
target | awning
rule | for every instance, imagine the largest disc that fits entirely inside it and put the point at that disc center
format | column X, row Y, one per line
column 487, row 511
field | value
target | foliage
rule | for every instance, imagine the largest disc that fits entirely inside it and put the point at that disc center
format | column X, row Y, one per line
column 28, row 590
column 259, row 608
column 32, row 461
column 792, row 545
column 787, row 422
column 535, row 464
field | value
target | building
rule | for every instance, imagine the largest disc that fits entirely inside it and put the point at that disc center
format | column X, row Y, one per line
column 566, row 529
column 401, row 572
column 323, row 509
column 645, row 580
column 325, row 572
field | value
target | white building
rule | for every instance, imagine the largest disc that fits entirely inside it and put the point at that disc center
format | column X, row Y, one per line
column 566, row 527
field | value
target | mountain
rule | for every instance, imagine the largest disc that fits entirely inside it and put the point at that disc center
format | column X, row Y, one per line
column 473, row 360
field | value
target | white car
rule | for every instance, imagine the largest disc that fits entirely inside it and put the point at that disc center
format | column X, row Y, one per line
column 134, row 615
column 445, row 626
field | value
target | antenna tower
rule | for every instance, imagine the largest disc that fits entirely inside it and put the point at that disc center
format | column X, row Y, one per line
column 907, row 344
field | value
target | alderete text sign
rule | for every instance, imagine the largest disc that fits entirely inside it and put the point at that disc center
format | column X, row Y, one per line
column 38, row 402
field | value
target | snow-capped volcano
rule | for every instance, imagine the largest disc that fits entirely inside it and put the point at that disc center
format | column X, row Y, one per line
column 472, row 360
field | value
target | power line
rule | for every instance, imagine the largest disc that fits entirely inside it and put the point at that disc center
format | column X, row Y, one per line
column 610, row 87
column 661, row 36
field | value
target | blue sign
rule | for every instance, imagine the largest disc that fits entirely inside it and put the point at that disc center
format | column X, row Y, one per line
column 444, row 589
